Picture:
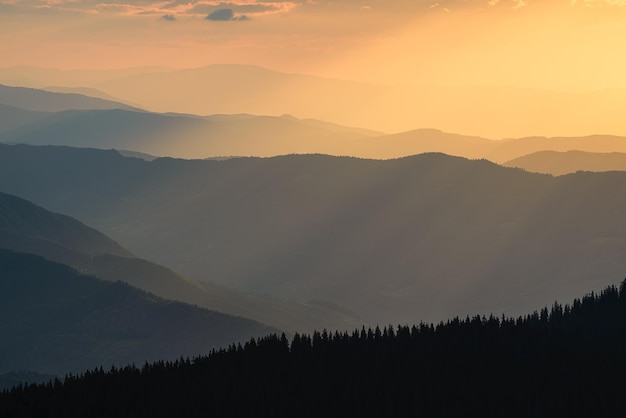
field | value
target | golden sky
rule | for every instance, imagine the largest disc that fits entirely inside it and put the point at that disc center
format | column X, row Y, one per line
column 576, row 45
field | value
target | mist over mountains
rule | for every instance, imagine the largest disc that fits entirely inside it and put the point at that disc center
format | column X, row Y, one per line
column 233, row 89
column 28, row 228
column 192, row 136
column 346, row 226
column 184, row 136
column 559, row 163
column 423, row 237
column 44, row 101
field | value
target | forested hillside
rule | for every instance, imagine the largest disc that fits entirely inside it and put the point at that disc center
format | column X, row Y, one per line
column 28, row 228
column 428, row 237
column 55, row 320
column 566, row 361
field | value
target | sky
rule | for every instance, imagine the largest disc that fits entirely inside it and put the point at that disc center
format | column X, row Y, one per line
column 567, row 45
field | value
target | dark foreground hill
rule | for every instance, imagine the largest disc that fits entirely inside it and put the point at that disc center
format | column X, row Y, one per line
column 563, row 362
column 25, row 227
column 55, row 320
column 428, row 237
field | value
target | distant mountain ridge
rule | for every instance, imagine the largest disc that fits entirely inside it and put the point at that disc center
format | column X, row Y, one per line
column 28, row 228
column 192, row 136
column 177, row 135
column 45, row 101
column 21, row 220
column 474, row 110
column 559, row 163
column 85, row 91
column 426, row 237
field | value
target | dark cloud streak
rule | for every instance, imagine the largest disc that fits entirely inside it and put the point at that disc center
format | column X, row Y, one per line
column 221, row 15
column 225, row 15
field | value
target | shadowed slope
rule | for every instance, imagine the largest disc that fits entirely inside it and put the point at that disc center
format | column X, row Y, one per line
column 13, row 117
column 55, row 320
column 566, row 361
column 28, row 228
column 45, row 101
column 427, row 236
column 186, row 136
column 22, row 221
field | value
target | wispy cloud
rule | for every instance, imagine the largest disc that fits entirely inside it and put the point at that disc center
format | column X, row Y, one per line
column 244, row 9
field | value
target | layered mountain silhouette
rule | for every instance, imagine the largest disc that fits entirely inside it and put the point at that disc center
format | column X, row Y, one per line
column 499, row 151
column 42, row 78
column 559, row 163
column 419, row 238
column 190, row 136
column 45, row 101
column 185, row 136
column 25, row 227
column 13, row 117
column 85, row 91
column 474, row 110
column 30, row 228
column 55, row 320
column 565, row 361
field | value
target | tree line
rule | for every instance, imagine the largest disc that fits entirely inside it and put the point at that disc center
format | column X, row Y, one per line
column 563, row 361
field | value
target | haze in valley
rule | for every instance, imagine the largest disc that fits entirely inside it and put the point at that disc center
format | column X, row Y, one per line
column 491, row 68
column 255, row 166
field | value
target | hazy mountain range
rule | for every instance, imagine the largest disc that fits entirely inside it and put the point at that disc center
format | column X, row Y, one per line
column 190, row 136
column 559, row 163
column 55, row 320
column 349, row 226
column 419, row 238
column 58, row 319
column 183, row 136
column 25, row 227
column 475, row 110
column 45, row 101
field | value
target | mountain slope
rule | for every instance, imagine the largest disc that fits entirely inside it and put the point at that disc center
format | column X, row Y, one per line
column 85, row 91
column 566, row 361
column 13, row 117
column 559, row 163
column 514, row 148
column 45, row 101
column 499, row 151
column 25, row 227
column 426, row 237
column 388, row 108
column 190, row 136
column 54, row 320
column 186, row 136
column 20, row 219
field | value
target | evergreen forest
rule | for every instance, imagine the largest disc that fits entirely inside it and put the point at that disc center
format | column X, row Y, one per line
column 563, row 361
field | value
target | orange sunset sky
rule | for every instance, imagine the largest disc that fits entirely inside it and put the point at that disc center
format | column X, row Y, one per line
column 576, row 45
